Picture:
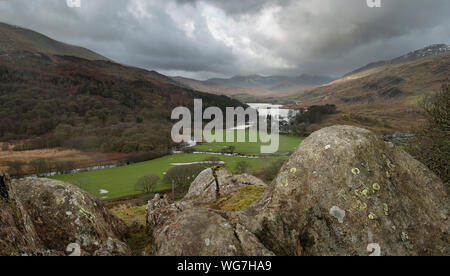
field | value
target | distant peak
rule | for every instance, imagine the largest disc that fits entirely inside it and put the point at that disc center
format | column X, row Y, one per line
column 432, row 50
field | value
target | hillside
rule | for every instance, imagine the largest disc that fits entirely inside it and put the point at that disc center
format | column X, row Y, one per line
column 432, row 50
column 255, row 85
column 385, row 95
column 13, row 38
column 52, row 100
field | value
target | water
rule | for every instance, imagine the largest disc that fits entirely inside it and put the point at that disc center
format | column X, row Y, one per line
column 275, row 110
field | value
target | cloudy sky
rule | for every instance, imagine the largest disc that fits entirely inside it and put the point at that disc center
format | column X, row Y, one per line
column 218, row 38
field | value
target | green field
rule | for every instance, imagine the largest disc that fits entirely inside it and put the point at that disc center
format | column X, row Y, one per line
column 120, row 181
column 287, row 144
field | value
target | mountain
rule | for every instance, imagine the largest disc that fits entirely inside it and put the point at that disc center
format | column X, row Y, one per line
column 255, row 85
column 56, row 95
column 13, row 38
column 384, row 95
column 432, row 50
column 272, row 83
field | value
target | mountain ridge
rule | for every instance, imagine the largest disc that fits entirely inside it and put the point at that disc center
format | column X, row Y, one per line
column 254, row 85
column 431, row 50
column 271, row 83
column 65, row 100
column 386, row 95
column 14, row 38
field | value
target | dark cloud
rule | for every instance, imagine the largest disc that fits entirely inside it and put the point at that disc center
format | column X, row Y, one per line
column 205, row 38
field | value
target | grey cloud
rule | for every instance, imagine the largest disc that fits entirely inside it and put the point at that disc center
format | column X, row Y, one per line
column 227, row 37
column 237, row 8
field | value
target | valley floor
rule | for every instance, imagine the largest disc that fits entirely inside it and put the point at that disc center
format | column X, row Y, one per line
column 119, row 182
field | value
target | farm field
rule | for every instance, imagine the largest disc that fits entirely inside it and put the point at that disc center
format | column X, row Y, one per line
column 288, row 144
column 120, row 181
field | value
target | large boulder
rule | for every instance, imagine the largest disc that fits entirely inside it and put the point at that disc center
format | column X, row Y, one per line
column 17, row 234
column 201, row 232
column 215, row 183
column 56, row 218
column 347, row 192
column 181, row 229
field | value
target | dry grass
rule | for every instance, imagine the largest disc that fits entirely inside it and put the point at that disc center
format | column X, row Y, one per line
column 240, row 200
column 130, row 215
column 78, row 158
column 362, row 94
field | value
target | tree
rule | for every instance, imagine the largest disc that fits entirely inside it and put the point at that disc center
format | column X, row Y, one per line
column 62, row 167
column 39, row 166
column 432, row 144
column 242, row 167
column 147, row 184
column 16, row 167
column 182, row 176
column 5, row 146
column 437, row 109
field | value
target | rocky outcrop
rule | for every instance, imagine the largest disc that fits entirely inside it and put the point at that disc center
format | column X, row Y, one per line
column 201, row 232
column 343, row 192
column 215, row 183
column 182, row 229
column 46, row 217
column 346, row 192
column 17, row 235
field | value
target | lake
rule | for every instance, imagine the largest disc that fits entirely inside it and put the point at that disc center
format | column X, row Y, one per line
column 275, row 110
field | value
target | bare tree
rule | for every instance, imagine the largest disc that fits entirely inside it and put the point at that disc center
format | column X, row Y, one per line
column 16, row 167
column 242, row 167
column 432, row 143
column 5, row 146
column 63, row 166
column 39, row 166
column 147, row 184
column 182, row 176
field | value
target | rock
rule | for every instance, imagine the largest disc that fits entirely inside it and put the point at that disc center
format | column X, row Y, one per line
column 4, row 191
column 200, row 232
column 344, row 192
column 181, row 229
column 17, row 234
column 158, row 217
column 157, row 202
column 205, row 188
column 57, row 218
column 212, row 184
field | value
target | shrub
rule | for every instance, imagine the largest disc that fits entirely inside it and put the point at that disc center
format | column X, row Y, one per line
column 242, row 167
column 229, row 150
column 182, row 176
column 15, row 168
column 147, row 184
column 432, row 144
column 39, row 166
column 271, row 170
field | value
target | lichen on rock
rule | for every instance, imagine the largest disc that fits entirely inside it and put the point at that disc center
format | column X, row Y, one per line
column 383, row 190
column 55, row 218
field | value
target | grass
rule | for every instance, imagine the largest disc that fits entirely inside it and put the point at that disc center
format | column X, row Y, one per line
column 119, row 182
column 137, row 239
column 240, row 200
column 130, row 215
column 287, row 144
